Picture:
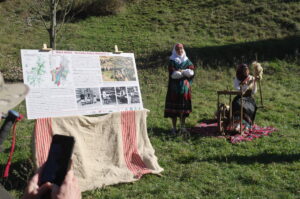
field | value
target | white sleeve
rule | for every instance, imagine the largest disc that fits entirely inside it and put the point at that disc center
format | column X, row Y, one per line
column 188, row 73
column 236, row 83
column 176, row 75
column 254, row 89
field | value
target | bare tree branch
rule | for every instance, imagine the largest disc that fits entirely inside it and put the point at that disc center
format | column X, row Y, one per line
column 38, row 11
column 48, row 12
column 57, row 2
column 67, row 10
column 44, row 23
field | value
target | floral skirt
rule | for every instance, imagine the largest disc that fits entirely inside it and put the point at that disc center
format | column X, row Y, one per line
column 178, row 104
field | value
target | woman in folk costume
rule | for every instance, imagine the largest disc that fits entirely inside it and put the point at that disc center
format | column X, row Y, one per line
column 247, row 83
column 178, row 99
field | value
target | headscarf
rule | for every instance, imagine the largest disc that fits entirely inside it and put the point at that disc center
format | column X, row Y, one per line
column 240, row 72
column 175, row 57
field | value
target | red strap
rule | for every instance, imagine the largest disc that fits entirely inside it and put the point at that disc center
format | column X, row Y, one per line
column 245, row 80
column 12, row 149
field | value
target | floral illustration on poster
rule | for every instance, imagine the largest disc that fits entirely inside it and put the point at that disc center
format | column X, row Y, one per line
column 59, row 73
column 36, row 72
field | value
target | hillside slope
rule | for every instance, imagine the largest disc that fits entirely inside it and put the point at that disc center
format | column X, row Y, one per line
column 150, row 28
column 218, row 35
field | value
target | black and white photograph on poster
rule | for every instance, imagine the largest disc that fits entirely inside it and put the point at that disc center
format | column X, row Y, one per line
column 121, row 95
column 133, row 95
column 86, row 97
column 108, row 95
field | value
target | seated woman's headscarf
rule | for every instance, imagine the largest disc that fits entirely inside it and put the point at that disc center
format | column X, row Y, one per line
column 177, row 58
column 240, row 72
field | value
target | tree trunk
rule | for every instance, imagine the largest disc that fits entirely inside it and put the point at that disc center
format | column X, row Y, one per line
column 53, row 25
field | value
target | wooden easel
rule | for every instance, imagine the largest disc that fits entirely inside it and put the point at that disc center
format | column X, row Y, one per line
column 45, row 48
column 117, row 50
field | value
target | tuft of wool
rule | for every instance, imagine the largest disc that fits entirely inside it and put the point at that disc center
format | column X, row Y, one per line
column 258, row 70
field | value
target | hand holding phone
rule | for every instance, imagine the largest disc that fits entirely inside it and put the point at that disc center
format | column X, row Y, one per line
column 68, row 189
column 55, row 180
column 58, row 161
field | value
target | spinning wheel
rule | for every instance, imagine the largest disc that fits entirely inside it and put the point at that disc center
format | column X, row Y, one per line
column 223, row 118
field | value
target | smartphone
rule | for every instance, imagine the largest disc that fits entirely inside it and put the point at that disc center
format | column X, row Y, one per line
column 58, row 160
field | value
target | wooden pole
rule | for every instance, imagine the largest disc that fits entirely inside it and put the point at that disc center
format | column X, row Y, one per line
column 242, row 104
column 230, row 109
column 218, row 116
column 260, row 92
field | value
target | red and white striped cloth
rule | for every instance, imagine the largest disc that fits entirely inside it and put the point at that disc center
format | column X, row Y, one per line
column 43, row 136
column 130, row 149
column 128, row 129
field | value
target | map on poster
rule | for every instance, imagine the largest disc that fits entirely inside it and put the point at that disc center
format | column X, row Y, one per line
column 68, row 83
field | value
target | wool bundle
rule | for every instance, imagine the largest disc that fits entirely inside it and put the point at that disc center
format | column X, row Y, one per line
column 258, row 70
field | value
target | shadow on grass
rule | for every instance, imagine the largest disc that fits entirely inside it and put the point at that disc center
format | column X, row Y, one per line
column 211, row 130
column 230, row 55
column 296, row 126
column 263, row 158
column 166, row 134
column 163, row 134
column 19, row 174
column 233, row 54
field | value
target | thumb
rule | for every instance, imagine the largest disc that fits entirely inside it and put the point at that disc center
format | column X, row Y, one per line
column 55, row 190
column 44, row 188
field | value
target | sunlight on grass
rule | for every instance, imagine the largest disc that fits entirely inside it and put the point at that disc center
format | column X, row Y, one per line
column 217, row 35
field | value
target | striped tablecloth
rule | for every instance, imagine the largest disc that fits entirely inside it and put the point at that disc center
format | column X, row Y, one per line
column 109, row 149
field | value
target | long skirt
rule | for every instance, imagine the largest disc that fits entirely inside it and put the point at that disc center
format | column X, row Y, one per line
column 178, row 104
column 249, row 109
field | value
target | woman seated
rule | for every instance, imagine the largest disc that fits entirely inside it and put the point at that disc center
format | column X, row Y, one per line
column 247, row 83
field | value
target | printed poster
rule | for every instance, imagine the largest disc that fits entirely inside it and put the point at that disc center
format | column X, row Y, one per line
column 69, row 83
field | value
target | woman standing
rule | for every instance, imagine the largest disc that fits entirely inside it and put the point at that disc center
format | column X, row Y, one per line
column 178, row 99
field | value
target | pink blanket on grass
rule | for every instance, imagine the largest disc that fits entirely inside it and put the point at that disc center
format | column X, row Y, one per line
column 211, row 129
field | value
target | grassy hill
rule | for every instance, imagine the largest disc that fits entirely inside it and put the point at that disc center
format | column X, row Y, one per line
column 217, row 35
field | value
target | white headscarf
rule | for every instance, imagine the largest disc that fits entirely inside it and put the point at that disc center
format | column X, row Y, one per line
column 175, row 57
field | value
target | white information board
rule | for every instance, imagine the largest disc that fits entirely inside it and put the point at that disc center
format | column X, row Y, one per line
column 68, row 83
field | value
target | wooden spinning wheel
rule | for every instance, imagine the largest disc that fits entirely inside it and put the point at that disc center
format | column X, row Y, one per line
column 223, row 119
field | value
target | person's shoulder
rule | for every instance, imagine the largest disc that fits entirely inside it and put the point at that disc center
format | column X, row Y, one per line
column 189, row 62
column 172, row 62
column 251, row 77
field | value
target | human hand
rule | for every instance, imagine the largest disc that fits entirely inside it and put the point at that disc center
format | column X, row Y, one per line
column 33, row 190
column 188, row 73
column 176, row 75
column 68, row 189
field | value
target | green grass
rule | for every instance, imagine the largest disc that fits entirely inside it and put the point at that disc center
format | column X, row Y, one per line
column 217, row 35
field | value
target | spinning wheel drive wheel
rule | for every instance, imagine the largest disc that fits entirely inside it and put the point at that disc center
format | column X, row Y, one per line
column 225, row 118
